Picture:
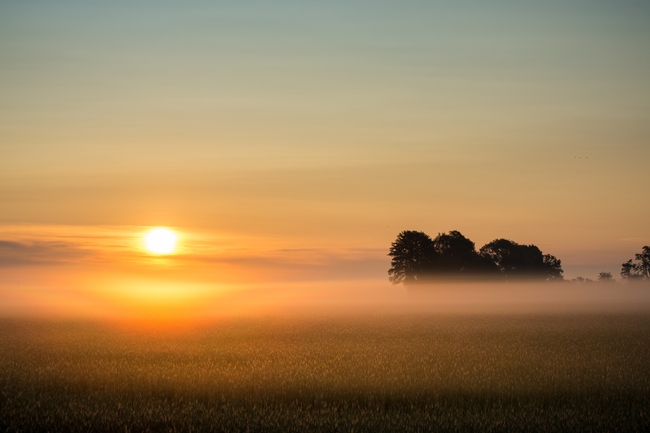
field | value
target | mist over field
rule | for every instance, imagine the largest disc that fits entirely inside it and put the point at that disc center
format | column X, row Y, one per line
column 449, row 298
column 161, row 300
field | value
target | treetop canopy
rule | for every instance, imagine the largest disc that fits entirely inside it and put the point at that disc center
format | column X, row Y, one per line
column 416, row 257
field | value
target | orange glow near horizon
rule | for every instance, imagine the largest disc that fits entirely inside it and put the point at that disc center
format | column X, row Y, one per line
column 105, row 271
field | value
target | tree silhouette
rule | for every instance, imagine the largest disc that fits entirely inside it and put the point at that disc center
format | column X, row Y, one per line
column 552, row 267
column 457, row 255
column 417, row 258
column 639, row 270
column 605, row 277
column 518, row 261
column 412, row 254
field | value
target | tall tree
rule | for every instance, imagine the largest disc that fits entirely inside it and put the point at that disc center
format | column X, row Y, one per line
column 412, row 254
column 639, row 269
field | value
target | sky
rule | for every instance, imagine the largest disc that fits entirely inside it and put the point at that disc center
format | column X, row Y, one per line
column 290, row 142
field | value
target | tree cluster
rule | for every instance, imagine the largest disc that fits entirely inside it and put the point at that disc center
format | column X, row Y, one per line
column 639, row 268
column 416, row 257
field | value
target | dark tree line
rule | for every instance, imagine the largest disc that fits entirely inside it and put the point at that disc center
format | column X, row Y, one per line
column 639, row 268
column 418, row 258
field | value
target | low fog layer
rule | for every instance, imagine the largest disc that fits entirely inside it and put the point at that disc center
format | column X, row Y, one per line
column 475, row 298
column 163, row 299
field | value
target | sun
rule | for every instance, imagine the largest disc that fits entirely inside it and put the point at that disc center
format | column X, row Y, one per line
column 160, row 240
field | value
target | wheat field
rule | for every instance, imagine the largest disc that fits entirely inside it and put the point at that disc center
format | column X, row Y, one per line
column 381, row 372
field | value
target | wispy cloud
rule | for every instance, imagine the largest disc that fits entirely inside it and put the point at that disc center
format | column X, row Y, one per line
column 14, row 253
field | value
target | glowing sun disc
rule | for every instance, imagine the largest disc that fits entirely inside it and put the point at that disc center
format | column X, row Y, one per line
column 160, row 241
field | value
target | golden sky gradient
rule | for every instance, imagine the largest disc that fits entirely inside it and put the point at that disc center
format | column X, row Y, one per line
column 290, row 141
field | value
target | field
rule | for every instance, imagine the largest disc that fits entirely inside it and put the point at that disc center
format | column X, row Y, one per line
column 580, row 372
